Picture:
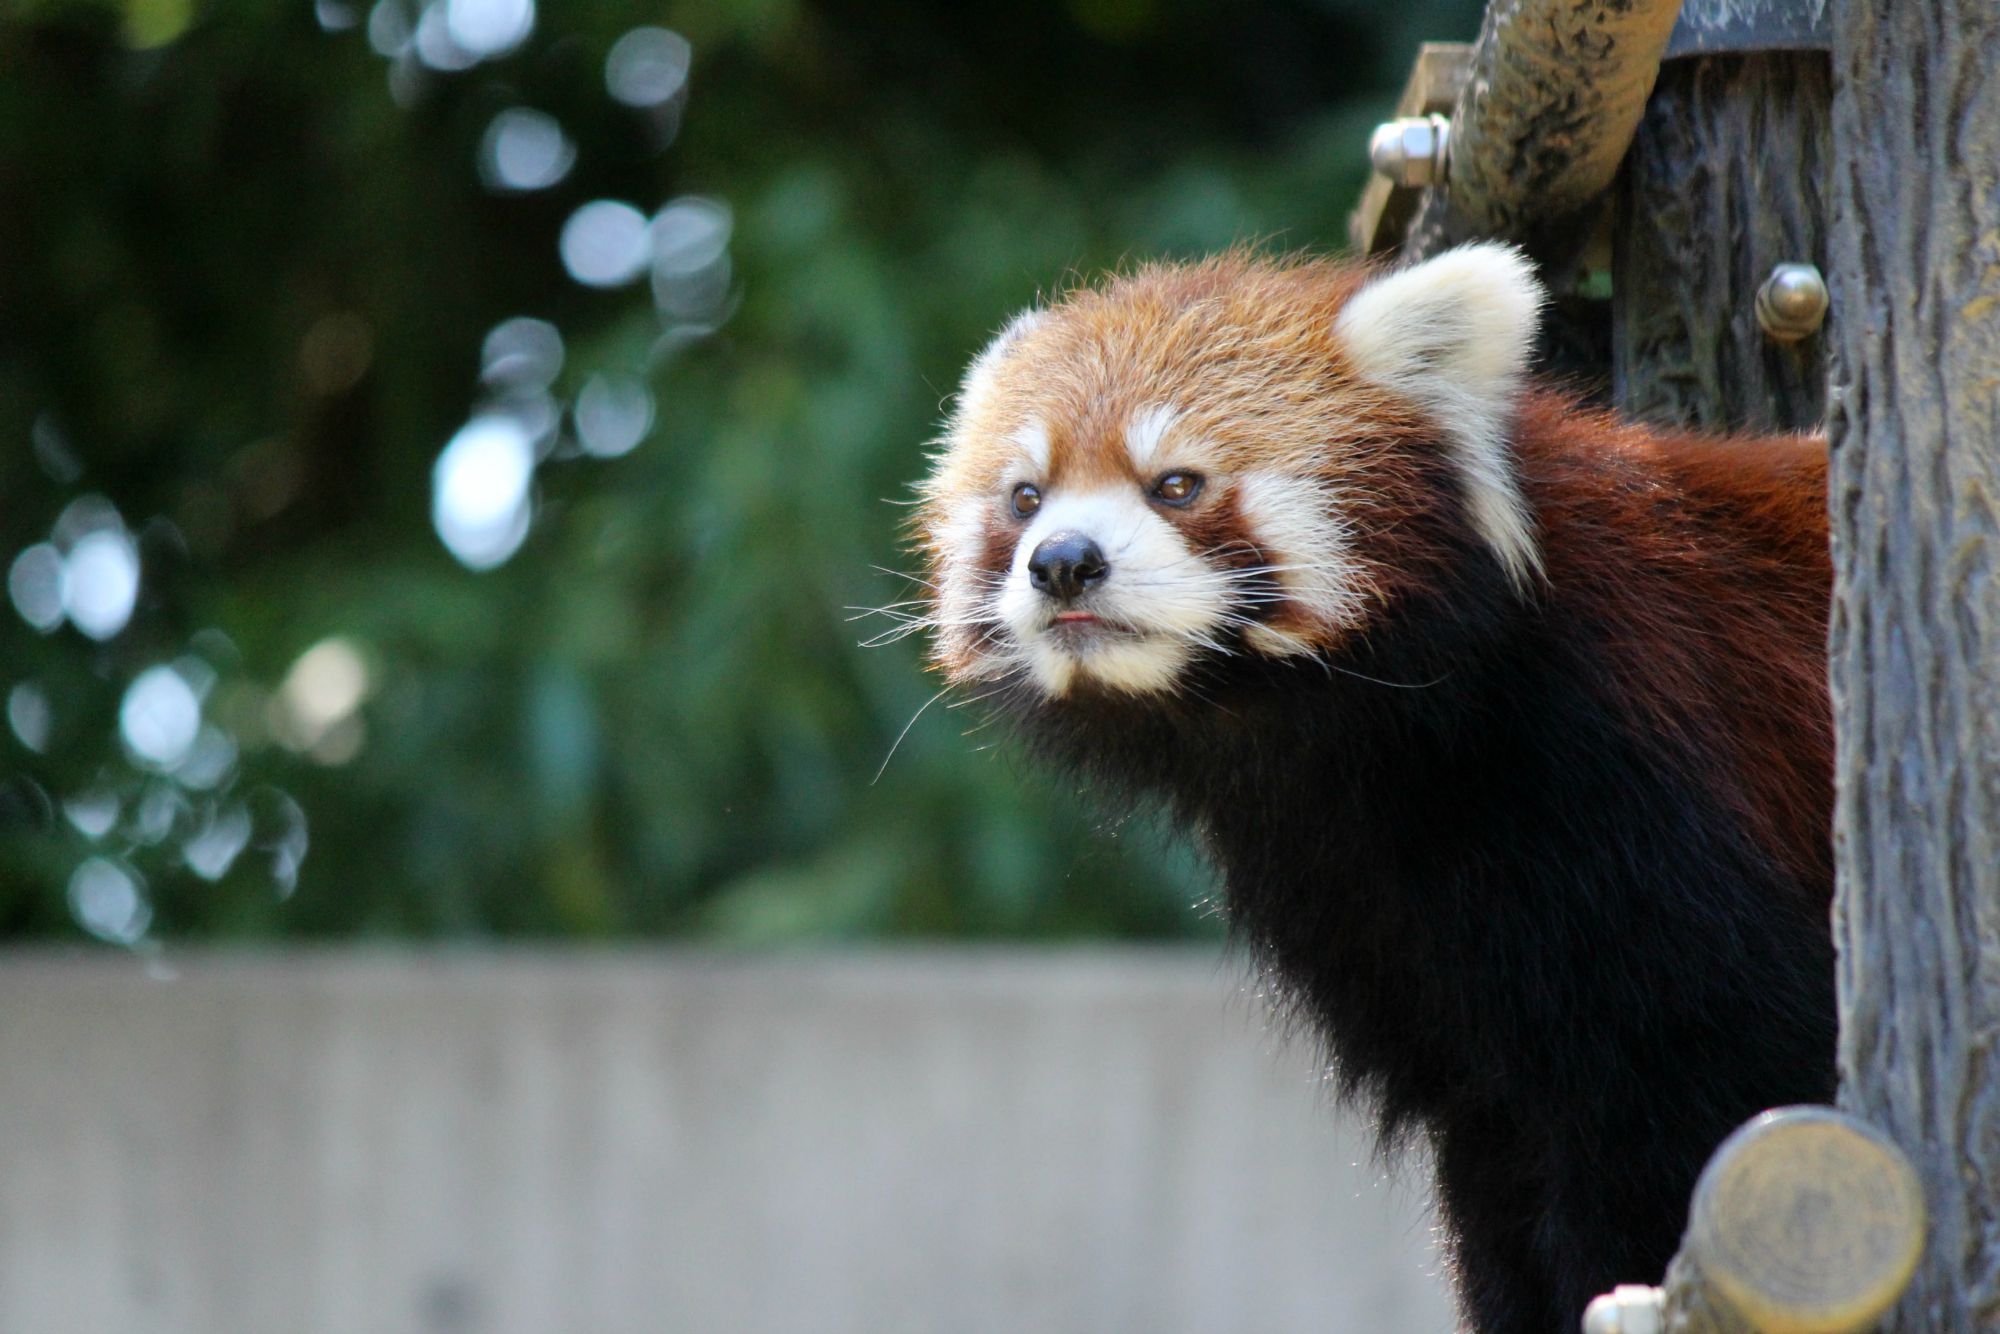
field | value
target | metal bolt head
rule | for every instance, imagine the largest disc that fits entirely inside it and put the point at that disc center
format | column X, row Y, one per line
column 1792, row 303
column 1411, row 150
column 1629, row 1308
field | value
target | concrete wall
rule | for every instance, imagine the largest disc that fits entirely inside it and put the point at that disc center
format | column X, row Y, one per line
column 537, row 1143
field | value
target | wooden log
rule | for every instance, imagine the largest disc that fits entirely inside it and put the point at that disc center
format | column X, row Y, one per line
column 1805, row 1221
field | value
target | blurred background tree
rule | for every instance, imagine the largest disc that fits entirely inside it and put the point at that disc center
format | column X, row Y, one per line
column 442, row 444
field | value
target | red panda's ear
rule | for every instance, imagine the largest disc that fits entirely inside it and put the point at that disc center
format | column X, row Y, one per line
column 1453, row 335
column 979, row 376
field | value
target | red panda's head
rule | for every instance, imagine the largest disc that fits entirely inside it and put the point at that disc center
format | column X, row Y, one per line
column 1213, row 459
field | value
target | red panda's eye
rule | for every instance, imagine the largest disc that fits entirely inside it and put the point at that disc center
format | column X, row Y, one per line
column 1027, row 499
column 1177, row 488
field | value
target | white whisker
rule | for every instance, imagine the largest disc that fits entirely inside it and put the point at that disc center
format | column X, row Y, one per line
column 898, row 742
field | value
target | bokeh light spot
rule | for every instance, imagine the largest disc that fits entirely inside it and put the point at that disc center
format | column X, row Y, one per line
column 524, row 149
column 604, row 243
column 209, row 760
column 280, row 825
column 521, row 352
column 107, row 901
column 83, row 516
column 435, row 44
column 211, row 852
column 341, row 742
column 647, row 66
column 151, row 23
column 335, row 15
column 93, row 812
column 336, row 352
column 158, row 809
column 320, row 693
column 30, row 715
column 691, row 270
column 690, row 234
column 35, row 583
column 388, row 28
column 487, row 28
column 539, row 416
column 100, row 582
column 480, row 502
column 159, row 717
column 613, row 414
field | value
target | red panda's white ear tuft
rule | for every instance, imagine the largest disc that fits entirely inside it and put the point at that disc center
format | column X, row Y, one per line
column 1453, row 335
column 979, row 376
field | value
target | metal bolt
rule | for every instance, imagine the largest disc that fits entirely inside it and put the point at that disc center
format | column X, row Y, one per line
column 1629, row 1308
column 1792, row 302
column 1411, row 151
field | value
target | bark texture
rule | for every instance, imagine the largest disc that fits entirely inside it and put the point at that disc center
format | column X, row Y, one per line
column 1726, row 178
column 1915, row 493
column 1556, row 89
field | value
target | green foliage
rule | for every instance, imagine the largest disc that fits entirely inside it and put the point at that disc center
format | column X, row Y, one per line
column 252, row 263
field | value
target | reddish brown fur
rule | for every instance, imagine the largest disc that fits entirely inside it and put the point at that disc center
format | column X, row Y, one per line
column 1703, row 561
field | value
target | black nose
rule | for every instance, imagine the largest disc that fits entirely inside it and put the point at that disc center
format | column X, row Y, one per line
column 1065, row 565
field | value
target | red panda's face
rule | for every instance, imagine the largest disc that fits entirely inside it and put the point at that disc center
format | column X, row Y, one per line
column 1198, row 462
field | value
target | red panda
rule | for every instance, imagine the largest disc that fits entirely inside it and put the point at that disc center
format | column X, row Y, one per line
column 1505, row 724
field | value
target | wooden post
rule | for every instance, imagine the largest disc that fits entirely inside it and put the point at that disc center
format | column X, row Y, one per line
column 1726, row 179
column 1915, row 491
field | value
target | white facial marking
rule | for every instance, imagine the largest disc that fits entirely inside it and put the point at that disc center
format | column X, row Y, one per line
column 1032, row 440
column 962, row 595
column 1453, row 334
column 1295, row 523
column 1143, row 436
column 1157, row 604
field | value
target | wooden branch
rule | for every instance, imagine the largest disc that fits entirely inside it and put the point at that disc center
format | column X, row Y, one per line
column 1914, row 247
column 1556, row 91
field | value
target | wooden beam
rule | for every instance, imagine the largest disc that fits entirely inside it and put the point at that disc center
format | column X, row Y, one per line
column 1556, row 90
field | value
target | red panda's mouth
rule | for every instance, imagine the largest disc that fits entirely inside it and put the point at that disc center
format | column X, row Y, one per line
column 1077, row 628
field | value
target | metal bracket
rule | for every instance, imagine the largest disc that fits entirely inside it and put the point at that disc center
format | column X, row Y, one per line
column 1746, row 27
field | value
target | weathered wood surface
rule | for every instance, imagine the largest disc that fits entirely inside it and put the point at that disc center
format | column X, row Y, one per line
column 1743, row 26
column 1556, row 90
column 1726, row 178
column 1915, row 490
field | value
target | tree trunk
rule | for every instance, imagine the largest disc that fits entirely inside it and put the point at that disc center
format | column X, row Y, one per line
column 1915, row 494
